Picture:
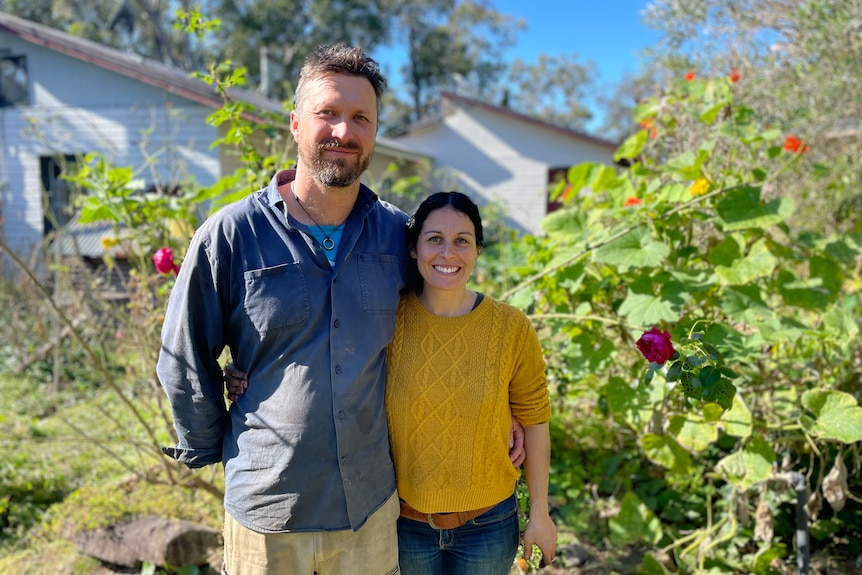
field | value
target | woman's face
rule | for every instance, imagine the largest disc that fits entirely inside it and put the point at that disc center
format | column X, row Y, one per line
column 446, row 249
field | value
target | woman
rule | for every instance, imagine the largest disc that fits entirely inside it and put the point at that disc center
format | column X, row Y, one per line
column 459, row 367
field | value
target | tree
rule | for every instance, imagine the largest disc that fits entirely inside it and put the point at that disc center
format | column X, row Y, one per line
column 283, row 32
column 451, row 44
column 800, row 66
column 555, row 89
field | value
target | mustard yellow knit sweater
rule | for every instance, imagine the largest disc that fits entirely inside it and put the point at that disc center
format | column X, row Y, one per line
column 453, row 384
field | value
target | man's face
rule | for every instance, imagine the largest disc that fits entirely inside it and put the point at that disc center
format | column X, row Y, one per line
column 335, row 127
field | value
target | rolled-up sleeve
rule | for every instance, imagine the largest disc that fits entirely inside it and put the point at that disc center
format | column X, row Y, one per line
column 188, row 368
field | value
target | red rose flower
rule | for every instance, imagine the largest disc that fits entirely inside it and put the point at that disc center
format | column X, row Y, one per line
column 795, row 145
column 689, row 76
column 164, row 261
column 632, row 201
column 734, row 75
column 655, row 346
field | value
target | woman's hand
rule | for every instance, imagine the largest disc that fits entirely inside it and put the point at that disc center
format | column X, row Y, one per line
column 235, row 381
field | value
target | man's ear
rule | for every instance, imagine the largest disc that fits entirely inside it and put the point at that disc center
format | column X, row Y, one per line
column 294, row 123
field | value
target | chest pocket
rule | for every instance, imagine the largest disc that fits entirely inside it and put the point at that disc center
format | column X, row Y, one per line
column 277, row 298
column 380, row 281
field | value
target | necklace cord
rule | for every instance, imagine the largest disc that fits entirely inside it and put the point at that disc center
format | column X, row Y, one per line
column 327, row 242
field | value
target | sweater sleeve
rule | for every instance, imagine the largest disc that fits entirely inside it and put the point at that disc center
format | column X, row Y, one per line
column 528, row 387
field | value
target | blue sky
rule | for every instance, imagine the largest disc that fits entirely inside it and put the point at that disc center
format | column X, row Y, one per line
column 608, row 32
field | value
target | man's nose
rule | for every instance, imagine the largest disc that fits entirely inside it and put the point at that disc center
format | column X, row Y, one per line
column 340, row 128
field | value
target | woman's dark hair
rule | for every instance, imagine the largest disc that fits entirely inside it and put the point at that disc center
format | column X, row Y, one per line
column 455, row 200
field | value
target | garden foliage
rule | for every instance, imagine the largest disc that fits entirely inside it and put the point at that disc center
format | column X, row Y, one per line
column 691, row 239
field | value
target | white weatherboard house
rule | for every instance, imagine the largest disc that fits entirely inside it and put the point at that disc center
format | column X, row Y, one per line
column 62, row 96
column 495, row 154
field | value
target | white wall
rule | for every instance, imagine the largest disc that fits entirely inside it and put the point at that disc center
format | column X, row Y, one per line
column 492, row 156
column 79, row 108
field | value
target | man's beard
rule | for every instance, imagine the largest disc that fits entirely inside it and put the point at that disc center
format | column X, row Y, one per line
column 334, row 173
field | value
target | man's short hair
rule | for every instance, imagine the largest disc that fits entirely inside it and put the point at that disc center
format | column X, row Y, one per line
column 340, row 59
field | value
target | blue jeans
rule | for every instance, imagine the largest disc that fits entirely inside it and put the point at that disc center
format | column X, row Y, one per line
column 485, row 545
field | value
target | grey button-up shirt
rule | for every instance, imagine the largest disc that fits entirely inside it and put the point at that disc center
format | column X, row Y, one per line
column 307, row 447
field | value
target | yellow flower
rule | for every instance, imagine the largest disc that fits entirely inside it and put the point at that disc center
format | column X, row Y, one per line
column 699, row 187
column 108, row 243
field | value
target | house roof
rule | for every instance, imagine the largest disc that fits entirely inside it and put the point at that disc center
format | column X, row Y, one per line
column 155, row 73
column 506, row 112
column 148, row 71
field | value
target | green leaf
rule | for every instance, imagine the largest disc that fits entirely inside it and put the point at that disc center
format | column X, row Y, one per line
column 692, row 432
column 766, row 559
column 568, row 224
column 838, row 415
column 651, row 566
column 722, row 393
column 647, row 310
column 522, row 299
column 635, row 523
column 709, row 114
column 665, row 451
column 688, row 164
column 737, row 420
column 757, row 264
column 750, row 466
column 634, row 249
column 741, row 208
column 632, row 405
column 725, row 252
column 805, row 293
column 841, row 323
column 632, row 147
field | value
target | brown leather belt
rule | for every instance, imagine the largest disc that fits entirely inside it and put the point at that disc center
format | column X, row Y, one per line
column 442, row 520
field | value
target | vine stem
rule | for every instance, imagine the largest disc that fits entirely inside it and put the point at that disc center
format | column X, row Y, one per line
column 592, row 247
column 88, row 350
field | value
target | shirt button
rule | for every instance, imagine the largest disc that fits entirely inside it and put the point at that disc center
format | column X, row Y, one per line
column 337, row 323
column 338, row 370
column 340, row 415
column 344, row 460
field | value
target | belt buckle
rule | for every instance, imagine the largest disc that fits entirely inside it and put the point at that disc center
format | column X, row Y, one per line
column 431, row 522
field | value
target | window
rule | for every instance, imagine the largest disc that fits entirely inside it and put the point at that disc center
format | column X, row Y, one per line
column 58, row 200
column 14, row 81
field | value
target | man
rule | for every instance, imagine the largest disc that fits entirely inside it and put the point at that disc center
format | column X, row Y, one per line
column 301, row 282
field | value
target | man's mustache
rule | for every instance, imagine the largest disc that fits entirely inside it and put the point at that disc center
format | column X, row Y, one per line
column 336, row 143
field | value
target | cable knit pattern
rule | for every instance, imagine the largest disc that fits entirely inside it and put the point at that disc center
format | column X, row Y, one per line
column 453, row 384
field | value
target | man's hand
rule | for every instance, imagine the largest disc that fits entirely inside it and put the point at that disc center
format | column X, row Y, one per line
column 517, row 453
column 235, row 381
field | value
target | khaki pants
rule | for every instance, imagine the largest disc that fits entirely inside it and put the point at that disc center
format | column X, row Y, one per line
column 373, row 550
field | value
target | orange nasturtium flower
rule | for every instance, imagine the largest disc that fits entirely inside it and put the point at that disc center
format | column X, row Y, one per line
column 632, row 201
column 648, row 124
column 795, row 145
column 734, row 75
column 689, row 76
column 699, row 187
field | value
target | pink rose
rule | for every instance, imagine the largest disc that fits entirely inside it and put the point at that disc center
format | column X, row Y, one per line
column 164, row 261
column 655, row 345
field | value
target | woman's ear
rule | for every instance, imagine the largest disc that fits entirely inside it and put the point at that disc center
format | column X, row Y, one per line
column 412, row 252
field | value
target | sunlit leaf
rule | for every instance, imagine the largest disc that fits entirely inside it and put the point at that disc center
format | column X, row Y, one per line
column 741, row 208
column 750, row 466
column 632, row 147
column 692, row 432
column 665, row 451
column 635, row 523
column 634, row 249
column 838, row 415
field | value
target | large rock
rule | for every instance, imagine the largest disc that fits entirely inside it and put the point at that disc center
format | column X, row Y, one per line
column 163, row 542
